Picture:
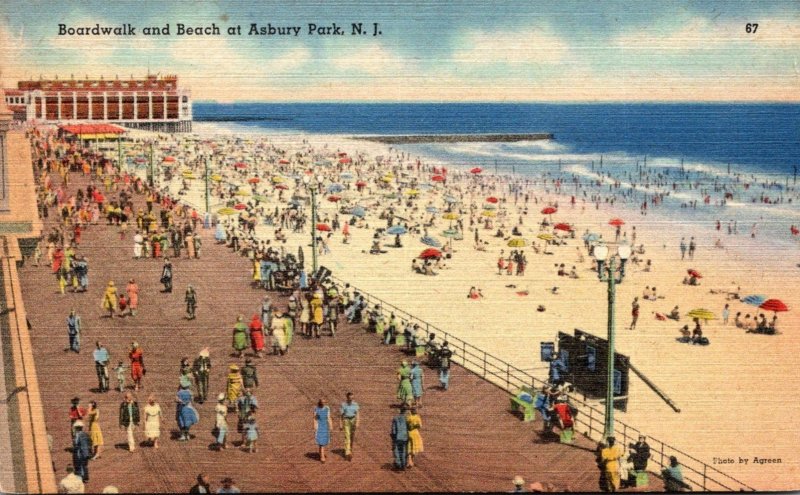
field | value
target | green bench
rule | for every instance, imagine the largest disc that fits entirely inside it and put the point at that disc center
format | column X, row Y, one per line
column 528, row 412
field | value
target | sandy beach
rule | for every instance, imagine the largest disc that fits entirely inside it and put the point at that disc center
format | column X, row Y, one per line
column 726, row 390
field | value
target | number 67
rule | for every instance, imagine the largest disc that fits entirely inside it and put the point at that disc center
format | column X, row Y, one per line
column 751, row 28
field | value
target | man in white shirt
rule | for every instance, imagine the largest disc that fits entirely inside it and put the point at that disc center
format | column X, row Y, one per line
column 71, row 483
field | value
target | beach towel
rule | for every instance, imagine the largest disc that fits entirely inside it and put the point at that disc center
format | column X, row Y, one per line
column 523, row 293
column 661, row 317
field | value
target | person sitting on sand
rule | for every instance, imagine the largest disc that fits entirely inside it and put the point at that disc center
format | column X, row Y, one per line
column 748, row 324
column 697, row 336
column 737, row 320
column 685, row 335
column 646, row 293
column 415, row 266
column 474, row 293
column 693, row 280
column 573, row 273
column 562, row 272
column 674, row 314
column 428, row 268
column 440, row 264
column 648, row 266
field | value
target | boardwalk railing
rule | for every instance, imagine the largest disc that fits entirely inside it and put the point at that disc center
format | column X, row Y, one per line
column 696, row 473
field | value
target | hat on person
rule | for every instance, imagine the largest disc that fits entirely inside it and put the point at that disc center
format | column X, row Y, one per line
column 203, row 352
column 78, row 424
column 233, row 367
column 221, row 397
column 518, row 481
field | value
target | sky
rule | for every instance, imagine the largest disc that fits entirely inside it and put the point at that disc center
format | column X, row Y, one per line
column 463, row 50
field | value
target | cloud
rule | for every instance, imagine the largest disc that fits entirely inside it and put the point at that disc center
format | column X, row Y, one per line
column 518, row 47
column 375, row 60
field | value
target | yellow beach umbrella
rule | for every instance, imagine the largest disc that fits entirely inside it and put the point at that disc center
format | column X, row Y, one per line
column 517, row 242
column 278, row 179
column 450, row 216
column 216, row 178
column 702, row 314
column 411, row 192
column 187, row 174
column 226, row 211
column 546, row 237
column 489, row 213
column 243, row 192
column 387, row 179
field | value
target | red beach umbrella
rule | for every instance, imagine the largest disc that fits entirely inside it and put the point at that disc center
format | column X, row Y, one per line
column 775, row 305
column 253, row 180
column 240, row 206
column 240, row 165
column 694, row 273
column 437, row 178
column 361, row 183
column 323, row 227
column 282, row 186
column 794, row 230
column 345, row 160
column 616, row 222
column 563, row 226
column 430, row 253
column 283, row 161
column 334, row 198
column 169, row 158
column 476, row 170
column 549, row 210
column 492, row 199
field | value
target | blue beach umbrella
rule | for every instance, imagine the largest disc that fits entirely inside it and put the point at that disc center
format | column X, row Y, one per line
column 346, row 176
column 754, row 299
column 396, row 230
column 451, row 233
column 426, row 187
column 451, row 199
column 430, row 241
column 358, row 211
column 432, row 209
column 335, row 188
column 590, row 237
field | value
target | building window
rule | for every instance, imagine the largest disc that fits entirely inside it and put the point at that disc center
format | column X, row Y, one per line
column 185, row 99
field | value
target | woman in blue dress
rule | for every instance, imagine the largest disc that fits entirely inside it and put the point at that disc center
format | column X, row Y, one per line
column 185, row 413
column 219, row 233
column 417, row 382
column 322, row 427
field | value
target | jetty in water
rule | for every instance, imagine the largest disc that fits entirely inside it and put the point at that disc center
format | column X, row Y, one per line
column 456, row 138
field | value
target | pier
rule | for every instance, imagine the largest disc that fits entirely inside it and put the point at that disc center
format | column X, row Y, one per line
column 456, row 138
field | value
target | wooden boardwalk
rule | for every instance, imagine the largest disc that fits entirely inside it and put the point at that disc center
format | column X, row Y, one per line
column 472, row 441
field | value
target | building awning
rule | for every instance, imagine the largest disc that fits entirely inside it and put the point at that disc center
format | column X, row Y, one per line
column 93, row 131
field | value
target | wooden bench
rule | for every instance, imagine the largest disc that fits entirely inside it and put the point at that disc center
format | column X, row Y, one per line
column 528, row 412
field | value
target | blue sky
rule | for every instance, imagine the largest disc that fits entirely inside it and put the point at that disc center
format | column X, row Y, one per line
column 429, row 51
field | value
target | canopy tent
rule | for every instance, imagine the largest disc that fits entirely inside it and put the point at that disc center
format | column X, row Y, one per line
column 91, row 131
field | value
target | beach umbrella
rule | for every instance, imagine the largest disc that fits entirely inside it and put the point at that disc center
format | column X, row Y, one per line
column 226, row 211
column 169, row 159
column 451, row 199
column 240, row 206
column 489, row 206
column 517, row 242
column 616, row 222
column 450, row 233
column 489, row 213
column 694, row 273
column 411, row 192
column 450, row 216
column 432, row 209
column 259, row 197
column 754, row 299
column 334, row 198
column 140, row 160
column 590, row 237
column 546, row 237
column 346, row 175
column 396, row 230
column 282, row 187
column 243, row 192
column 430, row 241
column 253, row 180
column 775, row 305
column 701, row 314
column 278, row 179
column 188, row 174
column 283, row 161
column 794, row 230
column 476, row 170
column 345, row 160
column 323, row 227
column 563, row 226
column 240, row 165
column 358, row 211
column 216, row 178
column 437, row 178
column 361, row 183
column 295, row 202
column 390, row 195
column 335, row 188
column 549, row 210
column 492, row 199
column 430, row 253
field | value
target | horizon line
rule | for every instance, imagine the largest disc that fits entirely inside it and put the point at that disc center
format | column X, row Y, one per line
column 500, row 102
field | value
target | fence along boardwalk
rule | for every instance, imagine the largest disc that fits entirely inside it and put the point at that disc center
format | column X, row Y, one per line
column 472, row 441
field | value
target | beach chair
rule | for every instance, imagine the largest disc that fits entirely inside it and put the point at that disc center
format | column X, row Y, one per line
column 523, row 399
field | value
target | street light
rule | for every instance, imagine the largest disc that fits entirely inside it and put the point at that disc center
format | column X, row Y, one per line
column 605, row 272
column 311, row 187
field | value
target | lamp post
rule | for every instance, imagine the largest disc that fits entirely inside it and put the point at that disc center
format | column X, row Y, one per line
column 605, row 273
column 205, row 161
column 150, row 169
column 313, row 189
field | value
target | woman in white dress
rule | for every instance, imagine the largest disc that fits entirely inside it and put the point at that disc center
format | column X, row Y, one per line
column 152, row 421
column 305, row 315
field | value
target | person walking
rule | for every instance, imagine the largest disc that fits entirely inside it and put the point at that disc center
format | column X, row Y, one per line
column 683, row 248
column 166, row 275
column 129, row 418
column 234, row 385
column 137, row 365
column 610, row 457
column 673, row 476
column 152, row 421
column 726, row 313
column 692, row 247
column 245, row 404
column 250, row 431
column 404, row 391
column 201, row 367
column 221, row 422
column 191, row 302
column 257, row 335
column 133, row 296
column 399, row 434
column 634, row 312
column 445, row 354
column 81, row 452
column 109, row 302
column 71, row 483
column 249, row 375
column 100, row 355
column 350, row 416
column 95, row 432
column 74, row 332
column 239, row 337
column 323, row 424
column 415, row 445
column 185, row 413
column 202, row 485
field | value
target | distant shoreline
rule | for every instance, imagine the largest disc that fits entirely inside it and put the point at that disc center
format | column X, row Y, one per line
column 455, row 138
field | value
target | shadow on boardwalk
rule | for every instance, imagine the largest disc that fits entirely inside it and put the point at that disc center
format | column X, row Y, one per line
column 472, row 441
